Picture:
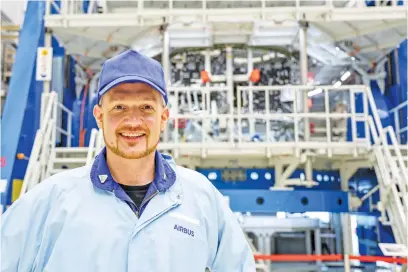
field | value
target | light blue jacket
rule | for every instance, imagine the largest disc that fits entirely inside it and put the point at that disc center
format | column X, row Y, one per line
column 80, row 220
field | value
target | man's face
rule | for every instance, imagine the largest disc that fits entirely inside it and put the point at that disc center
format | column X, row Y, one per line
column 132, row 116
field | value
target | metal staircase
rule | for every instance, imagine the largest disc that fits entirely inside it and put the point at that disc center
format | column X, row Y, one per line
column 392, row 174
column 46, row 159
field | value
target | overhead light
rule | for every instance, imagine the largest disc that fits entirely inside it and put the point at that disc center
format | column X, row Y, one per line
column 345, row 76
column 314, row 92
column 353, row 58
column 337, row 84
column 337, row 48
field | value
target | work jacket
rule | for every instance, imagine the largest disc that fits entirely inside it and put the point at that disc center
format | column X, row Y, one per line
column 81, row 220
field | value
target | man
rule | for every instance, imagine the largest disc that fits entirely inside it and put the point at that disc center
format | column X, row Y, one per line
column 134, row 209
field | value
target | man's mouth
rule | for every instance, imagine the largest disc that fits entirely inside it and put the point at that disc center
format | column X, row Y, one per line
column 132, row 135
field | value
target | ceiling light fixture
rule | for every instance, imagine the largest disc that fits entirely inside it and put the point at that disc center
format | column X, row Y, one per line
column 337, row 84
column 345, row 76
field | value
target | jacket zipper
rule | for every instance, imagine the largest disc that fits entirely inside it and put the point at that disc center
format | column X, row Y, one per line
column 144, row 201
column 160, row 214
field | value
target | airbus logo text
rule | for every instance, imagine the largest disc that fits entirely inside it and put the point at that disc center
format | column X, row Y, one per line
column 184, row 230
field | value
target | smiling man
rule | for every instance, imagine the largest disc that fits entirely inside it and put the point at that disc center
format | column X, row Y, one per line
column 134, row 209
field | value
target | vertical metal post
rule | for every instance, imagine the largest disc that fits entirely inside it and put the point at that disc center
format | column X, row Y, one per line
column 206, row 106
column 366, row 118
column 46, row 84
column 308, row 242
column 346, row 222
column 230, row 85
column 48, row 7
column 278, row 175
column 250, row 95
column 69, row 130
column 166, row 54
column 267, row 247
column 207, row 63
column 303, row 73
column 328, row 121
column 318, row 244
column 397, row 125
column 166, row 68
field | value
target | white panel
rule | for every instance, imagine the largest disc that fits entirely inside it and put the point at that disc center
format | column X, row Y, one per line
column 44, row 64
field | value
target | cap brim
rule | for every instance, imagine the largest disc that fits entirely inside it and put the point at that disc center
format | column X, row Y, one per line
column 132, row 79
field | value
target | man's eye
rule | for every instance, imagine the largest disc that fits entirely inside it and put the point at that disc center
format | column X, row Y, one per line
column 147, row 107
column 119, row 107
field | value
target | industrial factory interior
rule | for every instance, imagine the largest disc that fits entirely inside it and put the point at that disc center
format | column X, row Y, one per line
column 293, row 112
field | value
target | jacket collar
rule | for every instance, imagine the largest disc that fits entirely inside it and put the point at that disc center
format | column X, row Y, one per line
column 101, row 177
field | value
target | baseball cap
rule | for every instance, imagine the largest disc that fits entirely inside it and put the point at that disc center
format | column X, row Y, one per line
column 131, row 67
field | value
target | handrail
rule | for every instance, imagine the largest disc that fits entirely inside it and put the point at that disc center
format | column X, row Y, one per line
column 395, row 111
column 67, row 6
column 386, row 162
column 45, row 140
column 91, row 148
column 400, row 106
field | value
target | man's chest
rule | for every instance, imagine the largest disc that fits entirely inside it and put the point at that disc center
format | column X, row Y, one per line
column 117, row 240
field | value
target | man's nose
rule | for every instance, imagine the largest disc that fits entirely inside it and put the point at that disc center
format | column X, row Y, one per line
column 134, row 119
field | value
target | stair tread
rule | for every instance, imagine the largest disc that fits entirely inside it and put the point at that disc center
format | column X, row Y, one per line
column 71, row 149
column 70, row 160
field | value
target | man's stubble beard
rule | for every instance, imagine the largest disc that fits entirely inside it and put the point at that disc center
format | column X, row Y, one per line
column 133, row 156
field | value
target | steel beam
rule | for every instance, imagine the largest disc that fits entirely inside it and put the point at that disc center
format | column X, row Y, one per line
column 299, row 201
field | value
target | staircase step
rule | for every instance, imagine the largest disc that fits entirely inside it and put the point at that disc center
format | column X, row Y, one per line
column 69, row 160
column 63, row 150
column 56, row 171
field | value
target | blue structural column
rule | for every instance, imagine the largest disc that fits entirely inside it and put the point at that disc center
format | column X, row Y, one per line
column 402, row 67
column 21, row 112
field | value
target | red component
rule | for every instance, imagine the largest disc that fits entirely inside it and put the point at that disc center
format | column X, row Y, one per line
column 328, row 257
column 2, row 161
column 310, row 76
column 181, row 123
column 205, row 77
column 312, row 127
column 255, row 76
column 299, row 257
column 310, row 103
column 379, row 258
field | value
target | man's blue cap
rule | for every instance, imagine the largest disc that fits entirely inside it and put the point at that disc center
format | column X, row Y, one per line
column 130, row 67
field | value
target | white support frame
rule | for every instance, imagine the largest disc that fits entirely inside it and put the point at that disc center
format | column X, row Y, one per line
column 142, row 16
column 395, row 112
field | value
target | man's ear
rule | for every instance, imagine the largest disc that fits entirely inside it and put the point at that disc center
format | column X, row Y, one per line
column 164, row 118
column 98, row 114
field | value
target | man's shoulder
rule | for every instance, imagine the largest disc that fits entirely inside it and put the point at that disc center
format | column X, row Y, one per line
column 193, row 179
column 65, row 180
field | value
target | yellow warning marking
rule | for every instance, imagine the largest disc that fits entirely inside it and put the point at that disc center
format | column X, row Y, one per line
column 16, row 189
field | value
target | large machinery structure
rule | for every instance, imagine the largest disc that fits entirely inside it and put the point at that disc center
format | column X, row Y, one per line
column 288, row 107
